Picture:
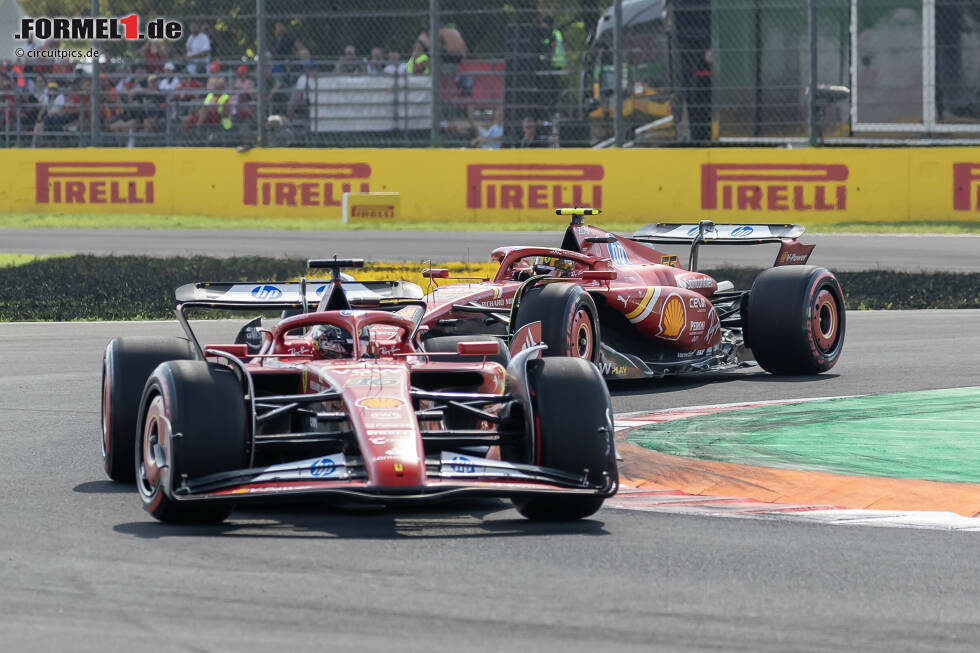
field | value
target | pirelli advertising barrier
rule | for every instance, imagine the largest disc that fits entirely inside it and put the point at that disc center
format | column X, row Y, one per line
column 733, row 185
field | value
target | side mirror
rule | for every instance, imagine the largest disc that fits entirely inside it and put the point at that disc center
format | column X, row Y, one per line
column 435, row 273
column 478, row 348
column 251, row 336
column 599, row 275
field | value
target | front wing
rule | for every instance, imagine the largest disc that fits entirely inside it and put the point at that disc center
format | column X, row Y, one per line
column 449, row 476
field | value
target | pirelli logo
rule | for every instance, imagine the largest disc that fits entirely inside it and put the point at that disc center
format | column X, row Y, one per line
column 966, row 186
column 94, row 182
column 302, row 184
column 774, row 187
column 533, row 186
column 374, row 211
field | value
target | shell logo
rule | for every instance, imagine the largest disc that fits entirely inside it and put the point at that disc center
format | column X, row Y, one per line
column 673, row 317
column 380, row 402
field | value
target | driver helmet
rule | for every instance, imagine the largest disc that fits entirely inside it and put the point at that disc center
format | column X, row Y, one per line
column 331, row 341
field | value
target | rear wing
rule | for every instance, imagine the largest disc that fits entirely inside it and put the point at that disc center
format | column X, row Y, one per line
column 718, row 234
column 290, row 294
column 707, row 232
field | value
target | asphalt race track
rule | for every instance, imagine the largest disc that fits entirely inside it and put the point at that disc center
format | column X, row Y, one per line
column 912, row 252
column 84, row 568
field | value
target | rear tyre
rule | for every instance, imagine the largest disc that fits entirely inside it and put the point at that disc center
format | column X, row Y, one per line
column 795, row 320
column 572, row 418
column 125, row 367
column 448, row 344
column 193, row 422
column 569, row 320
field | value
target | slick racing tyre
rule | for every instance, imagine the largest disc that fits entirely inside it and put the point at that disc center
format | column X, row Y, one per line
column 193, row 422
column 448, row 344
column 794, row 322
column 572, row 420
column 125, row 367
column 569, row 320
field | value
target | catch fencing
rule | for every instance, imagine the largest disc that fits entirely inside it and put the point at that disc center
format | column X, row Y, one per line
column 519, row 74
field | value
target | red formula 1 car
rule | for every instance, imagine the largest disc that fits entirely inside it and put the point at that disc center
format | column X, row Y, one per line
column 341, row 402
column 635, row 313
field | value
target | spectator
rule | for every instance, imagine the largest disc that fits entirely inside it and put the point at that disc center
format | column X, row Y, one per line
column 489, row 131
column 284, row 44
column 111, row 106
column 451, row 44
column 125, row 78
column 154, row 103
column 418, row 63
column 305, row 84
column 376, row 64
column 8, row 104
column 198, row 50
column 207, row 30
column 552, row 63
column 244, row 95
column 452, row 47
column 349, row 64
column 276, row 83
column 170, row 82
column 529, row 134
column 154, row 54
column 395, row 67
column 215, row 109
column 131, row 115
column 52, row 105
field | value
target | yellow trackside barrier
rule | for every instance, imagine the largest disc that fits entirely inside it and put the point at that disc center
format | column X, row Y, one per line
column 632, row 185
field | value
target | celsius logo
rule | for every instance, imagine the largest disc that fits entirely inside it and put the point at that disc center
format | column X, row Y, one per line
column 266, row 292
column 741, row 232
column 323, row 467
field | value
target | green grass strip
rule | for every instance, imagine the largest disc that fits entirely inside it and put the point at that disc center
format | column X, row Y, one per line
column 929, row 435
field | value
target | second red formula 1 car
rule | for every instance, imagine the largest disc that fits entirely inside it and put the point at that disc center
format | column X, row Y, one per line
column 636, row 313
column 341, row 403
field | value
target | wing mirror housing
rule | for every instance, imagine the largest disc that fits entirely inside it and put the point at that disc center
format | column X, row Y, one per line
column 598, row 275
column 435, row 273
column 478, row 348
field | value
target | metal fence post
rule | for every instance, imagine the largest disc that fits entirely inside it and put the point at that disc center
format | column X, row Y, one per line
column 436, row 69
column 94, row 91
column 260, row 105
column 813, row 129
column 618, row 65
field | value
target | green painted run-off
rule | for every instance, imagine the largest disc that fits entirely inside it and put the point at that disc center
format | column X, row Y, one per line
column 932, row 435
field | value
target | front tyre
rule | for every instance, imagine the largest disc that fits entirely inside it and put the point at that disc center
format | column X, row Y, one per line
column 125, row 367
column 569, row 320
column 572, row 419
column 193, row 422
column 795, row 320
